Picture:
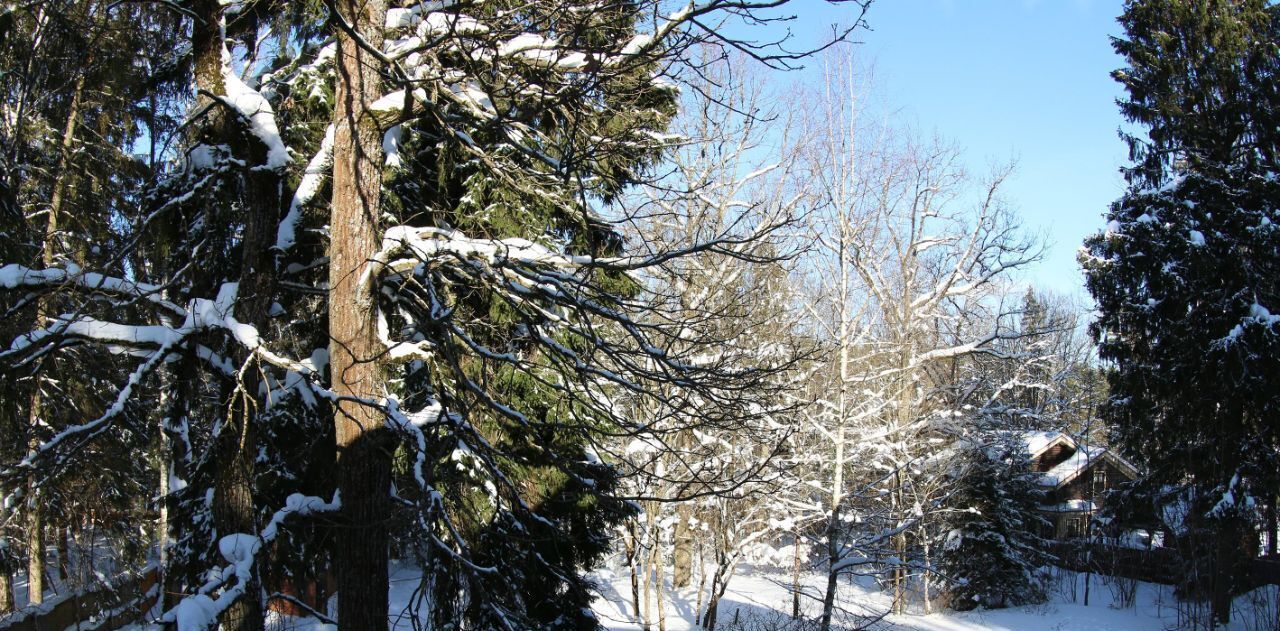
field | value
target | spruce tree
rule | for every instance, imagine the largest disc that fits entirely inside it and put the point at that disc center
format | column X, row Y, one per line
column 992, row 554
column 1186, row 273
column 518, row 487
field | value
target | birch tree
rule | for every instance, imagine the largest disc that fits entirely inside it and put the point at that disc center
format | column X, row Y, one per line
column 911, row 246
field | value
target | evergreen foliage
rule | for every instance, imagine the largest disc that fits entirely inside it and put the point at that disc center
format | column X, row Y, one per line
column 1188, row 269
column 992, row 553
column 195, row 278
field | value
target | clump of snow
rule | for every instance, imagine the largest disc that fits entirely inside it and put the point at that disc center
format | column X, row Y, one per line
column 1035, row 442
column 637, row 44
column 298, row 504
column 203, row 157
column 408, row 17
column 312, row 177
column 239, row 548
column 195, row 613
column 391, row 145
column 257, row 111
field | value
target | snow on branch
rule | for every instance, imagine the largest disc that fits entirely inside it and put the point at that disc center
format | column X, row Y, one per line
column 200, row 611
column 257, row 112
column 312, row 178
column 13, row 276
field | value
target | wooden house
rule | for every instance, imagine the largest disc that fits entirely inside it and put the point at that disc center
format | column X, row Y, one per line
column 1076, row 477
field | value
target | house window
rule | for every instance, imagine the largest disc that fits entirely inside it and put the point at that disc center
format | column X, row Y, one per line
column 1075, row 527
column 1099, row 481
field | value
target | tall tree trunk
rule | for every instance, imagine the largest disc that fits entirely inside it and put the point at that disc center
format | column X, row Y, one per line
column 682, row 537
column 64, row 556
column 646, row 621
column 175, row 461
column 924, row 575
column 363, row 443
column 233, row 505
column 35, row 510
column 162, row 519
column 833, row 575
column 633, row 563
column 834, row 552
column 660, row 592
column 1228, row 566
column 682, row 547
column 1273, row 527
column 899, row 548
column 795, row 572
column 234, row 488
column 234, row 508
column 35, row 552
column 702, row 580
column 842, row 410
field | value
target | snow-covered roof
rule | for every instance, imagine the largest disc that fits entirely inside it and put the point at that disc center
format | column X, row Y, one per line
column 1083, row 456
column 1080, row 461
column 1037, row 442
column 1073, row 466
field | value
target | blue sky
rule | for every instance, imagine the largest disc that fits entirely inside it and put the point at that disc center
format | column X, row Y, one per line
column 1022, row 80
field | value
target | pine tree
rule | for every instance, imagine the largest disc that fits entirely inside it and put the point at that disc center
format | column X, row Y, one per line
column 1186, row 271
column 991, row 553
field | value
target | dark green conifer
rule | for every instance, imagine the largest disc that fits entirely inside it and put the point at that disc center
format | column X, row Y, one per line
column 992, row 554
column 1186, row 273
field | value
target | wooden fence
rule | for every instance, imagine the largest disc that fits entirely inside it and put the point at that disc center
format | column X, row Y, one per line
column 1155, row 565
column 100, row 609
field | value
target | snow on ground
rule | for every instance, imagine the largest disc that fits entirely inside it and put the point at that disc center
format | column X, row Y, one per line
column 759, row 595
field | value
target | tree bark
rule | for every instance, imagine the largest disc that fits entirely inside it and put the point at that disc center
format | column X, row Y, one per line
column 682, row 547
column 175, row 460
column 1273, row 527
column 233, row 509
column 833, row 576
column 35, row 555
column 702, row 580
column 842, row 410
column 660, row 592
column 646, row 620
column 1227, row 567
column 363, row 443
column 6, row 591
column 924, row 575
column 633, row 560
column 234, row 506
column 682, row 538
column 162, row 519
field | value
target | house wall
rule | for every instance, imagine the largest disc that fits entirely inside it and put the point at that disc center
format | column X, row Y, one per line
column 1052, row 457
column 1101, row 476
column 1068, row 526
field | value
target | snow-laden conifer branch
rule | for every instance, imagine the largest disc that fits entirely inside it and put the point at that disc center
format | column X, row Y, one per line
column 201, row 610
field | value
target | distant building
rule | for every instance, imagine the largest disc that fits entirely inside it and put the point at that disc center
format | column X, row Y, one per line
column 1076, row 479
